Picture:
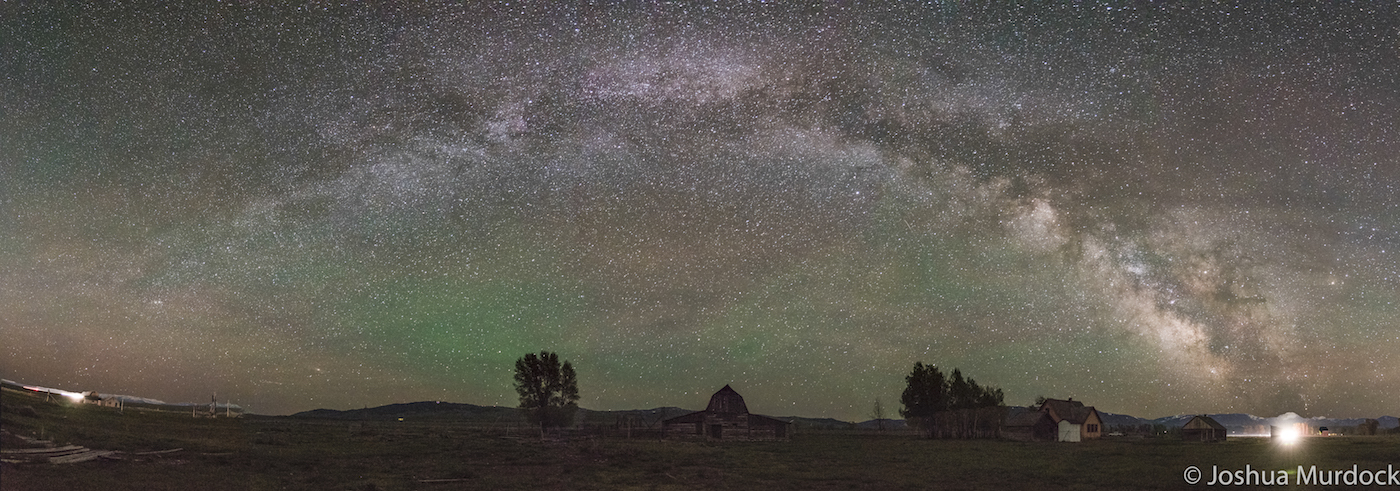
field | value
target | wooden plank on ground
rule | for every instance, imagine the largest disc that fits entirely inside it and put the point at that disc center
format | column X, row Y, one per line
column 81, row 457
column 62, row 454
column 68, row 449
column 158, row 452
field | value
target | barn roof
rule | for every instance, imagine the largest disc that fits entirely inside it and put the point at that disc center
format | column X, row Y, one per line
column 727, row 401
column 695, row 417
column 756, row 420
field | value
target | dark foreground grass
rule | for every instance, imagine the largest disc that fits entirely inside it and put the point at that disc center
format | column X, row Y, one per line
column 282, row 453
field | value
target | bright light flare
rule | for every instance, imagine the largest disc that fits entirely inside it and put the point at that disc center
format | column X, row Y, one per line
column 73, row 396
column 1288, row 436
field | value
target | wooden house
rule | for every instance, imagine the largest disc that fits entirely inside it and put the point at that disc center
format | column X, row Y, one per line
column 1073, row 420
column 726, row 418
column 1203, row 429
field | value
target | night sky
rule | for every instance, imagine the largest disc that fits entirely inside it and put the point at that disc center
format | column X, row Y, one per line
column 1153, row 209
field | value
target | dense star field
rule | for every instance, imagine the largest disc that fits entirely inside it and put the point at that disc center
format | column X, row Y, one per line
column 1156, row 210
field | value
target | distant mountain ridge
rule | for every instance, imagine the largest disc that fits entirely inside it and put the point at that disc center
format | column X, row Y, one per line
column 436, row 410
column 421, row 409
column 1236, row 423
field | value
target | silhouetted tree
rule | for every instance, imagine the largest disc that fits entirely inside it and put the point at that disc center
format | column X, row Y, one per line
column 959, row 391
column 924, row 395
column 877, row 413
column 991, row 396
column 548, row 391
column 965, row 393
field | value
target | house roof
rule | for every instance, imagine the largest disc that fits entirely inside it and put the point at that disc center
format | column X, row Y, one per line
column 1060, row 409
column 1203, row 422
column 1073, row 411
column 1081, row 415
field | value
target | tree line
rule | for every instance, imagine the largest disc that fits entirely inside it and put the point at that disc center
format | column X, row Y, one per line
column 950, row 406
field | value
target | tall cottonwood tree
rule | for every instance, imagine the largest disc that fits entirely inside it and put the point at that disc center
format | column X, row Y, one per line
column 548, row 390
column 924, row 395
column 967, row 394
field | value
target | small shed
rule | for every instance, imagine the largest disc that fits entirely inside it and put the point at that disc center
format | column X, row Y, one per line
column 1203, row 429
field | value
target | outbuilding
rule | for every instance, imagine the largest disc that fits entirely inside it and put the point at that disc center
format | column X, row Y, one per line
column 1029, row 425
column 1203, row 429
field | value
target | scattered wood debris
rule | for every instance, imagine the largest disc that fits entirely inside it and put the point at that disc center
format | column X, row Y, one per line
column 68, row 454
column 83, row 456
column 46, row 451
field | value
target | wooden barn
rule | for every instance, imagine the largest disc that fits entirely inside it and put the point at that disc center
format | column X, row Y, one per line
column 726, row 418
column 1029, row 425
column 1073, row 420
column 1203, row 429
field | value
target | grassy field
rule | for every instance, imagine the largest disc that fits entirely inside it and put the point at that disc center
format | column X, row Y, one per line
column 282, row 453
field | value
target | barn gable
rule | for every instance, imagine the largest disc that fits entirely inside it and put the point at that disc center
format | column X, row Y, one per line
column 727, row 401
